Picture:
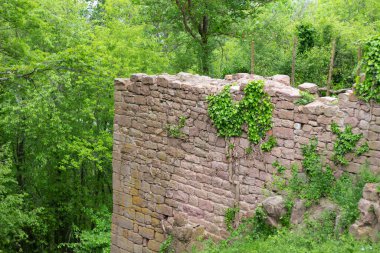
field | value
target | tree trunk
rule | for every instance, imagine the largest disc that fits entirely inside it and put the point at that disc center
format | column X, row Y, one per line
column 205, row 59
column 331, row 67
column 205, row 47
column 253, row 57
column 294, row 53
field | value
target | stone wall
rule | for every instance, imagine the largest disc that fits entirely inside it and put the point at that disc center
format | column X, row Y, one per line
column 180, row 185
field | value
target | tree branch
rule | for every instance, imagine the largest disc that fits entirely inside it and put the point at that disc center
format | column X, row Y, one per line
column 184, row 20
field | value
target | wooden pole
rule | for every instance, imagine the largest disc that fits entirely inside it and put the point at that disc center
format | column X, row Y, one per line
column 331, row 67
column 359, row 59
column 294, row 54
column 253, row 57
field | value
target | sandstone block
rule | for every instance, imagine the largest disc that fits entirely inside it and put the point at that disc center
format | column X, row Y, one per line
column 154, row 245
column 164, row 209
column 146, row 232
column 275, row 209
column 282, row 132
column 284, row 79
column 309, row 87
column 205, row 205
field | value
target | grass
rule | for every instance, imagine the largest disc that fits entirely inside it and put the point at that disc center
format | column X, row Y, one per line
column 286, row 241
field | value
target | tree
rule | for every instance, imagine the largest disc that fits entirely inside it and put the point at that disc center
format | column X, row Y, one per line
column 204, row 21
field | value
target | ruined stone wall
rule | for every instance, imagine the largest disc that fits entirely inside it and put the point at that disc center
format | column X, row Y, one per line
column 184, row 185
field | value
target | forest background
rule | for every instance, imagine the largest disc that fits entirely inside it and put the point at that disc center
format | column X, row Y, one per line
column 58, row 60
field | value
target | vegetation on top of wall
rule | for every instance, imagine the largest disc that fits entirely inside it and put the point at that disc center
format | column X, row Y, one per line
column 369, row 88
column 225, row 113
column 306, row 98
column 255, row 109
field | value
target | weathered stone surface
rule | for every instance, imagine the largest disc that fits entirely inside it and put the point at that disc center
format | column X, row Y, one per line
column 275, row 209
column 315, row 107
column 324, row 205
column 284, row 79
column 368, row 224
column 298, row 212
column 309, row 87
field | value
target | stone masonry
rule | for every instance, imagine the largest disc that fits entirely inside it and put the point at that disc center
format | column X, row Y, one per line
column 157, row 178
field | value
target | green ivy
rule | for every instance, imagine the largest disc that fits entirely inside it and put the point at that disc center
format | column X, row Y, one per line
column 362, row 149
column 369, row 89
column 345, row 143
column 230, row 216
column 269, row 145
column 255, row 109
column 280, row 168
column 175, row 131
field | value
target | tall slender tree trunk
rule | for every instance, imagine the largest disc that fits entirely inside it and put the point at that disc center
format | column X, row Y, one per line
column 294, row 54
column 331, row 67
column 253, row 57
column 205, row 59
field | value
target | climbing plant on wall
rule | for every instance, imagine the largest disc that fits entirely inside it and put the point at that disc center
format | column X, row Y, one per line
column 225, row 113
column 369, row 88
column 255, row 109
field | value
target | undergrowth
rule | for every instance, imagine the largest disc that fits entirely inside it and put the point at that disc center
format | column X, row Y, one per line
column 324, row 235
column 229, row 217
column 306, row 98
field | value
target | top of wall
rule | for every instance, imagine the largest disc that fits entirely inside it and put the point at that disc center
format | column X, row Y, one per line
column 290, row 121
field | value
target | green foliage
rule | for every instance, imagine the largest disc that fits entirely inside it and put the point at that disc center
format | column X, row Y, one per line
column 96, row 240
column 369, row 89
column 58, row 60
column 225, row 113
column 230, row 216
column 16, row 218
column 255, row 109
column 306, row 34
column 269, row 144
column 199, row 25
column 248, row 150
column 306, row 98
column 313, row 66
column 259, row 228
column 345, row 143
column 166, row 246
column 322, row 235
column 364, row 148
column 280, row 168
column 323, row 228
column 175, row 131
column 347, row 192
column 315, row 185
column 286, row 241
column 253, row 227
column 319, row 179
